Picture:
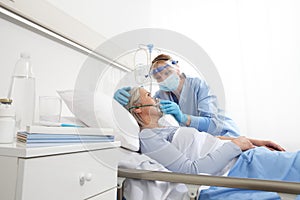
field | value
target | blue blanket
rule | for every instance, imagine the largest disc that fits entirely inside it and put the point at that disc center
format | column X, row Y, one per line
column 259, row 163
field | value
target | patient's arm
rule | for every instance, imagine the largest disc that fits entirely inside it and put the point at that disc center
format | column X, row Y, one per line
column 159, row 149
column 225, row 138
column 243, row 142
column 267, row 143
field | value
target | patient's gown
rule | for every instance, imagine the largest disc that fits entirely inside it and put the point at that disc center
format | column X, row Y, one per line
column 263, row 164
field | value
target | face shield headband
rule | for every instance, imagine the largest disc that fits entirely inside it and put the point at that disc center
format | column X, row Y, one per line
column 161, row 68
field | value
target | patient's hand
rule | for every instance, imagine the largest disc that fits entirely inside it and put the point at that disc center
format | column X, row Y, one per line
column 243, row 143
column 267, row 143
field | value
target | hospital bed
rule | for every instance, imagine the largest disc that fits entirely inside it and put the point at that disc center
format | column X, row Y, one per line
column 286, row 190
column 128, row 135
column 132, row 167
column 194, row 183
column 159, row 179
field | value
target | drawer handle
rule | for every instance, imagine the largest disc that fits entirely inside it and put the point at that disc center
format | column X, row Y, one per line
column 85, row 177
column 88, row 177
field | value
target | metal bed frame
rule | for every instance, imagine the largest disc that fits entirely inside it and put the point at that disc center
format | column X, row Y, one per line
column 193, row 182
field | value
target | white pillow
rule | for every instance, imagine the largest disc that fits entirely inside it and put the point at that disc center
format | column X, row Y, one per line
column 100, row 110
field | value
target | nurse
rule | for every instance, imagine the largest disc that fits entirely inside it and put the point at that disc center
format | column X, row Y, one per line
column 188, row 99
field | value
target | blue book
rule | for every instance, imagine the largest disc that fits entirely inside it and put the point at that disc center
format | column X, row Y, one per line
column 51, row 144
column 65, row 141
column 61, row 138
column 68, row 130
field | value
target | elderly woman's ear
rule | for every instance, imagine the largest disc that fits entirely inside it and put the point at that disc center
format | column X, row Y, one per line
column 137, row 110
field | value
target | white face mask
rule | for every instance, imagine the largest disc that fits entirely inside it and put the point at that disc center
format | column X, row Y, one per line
column 170, row 84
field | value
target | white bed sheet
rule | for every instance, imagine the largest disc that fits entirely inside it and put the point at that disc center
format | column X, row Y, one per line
column 143, row 189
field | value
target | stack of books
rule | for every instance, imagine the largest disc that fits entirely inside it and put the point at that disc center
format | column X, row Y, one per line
column 53, row 136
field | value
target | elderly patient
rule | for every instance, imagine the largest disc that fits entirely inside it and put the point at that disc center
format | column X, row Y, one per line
column 185, row 150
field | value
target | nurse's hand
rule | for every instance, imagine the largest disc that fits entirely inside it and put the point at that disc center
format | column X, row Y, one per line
column 170, row 107
column 122, row 95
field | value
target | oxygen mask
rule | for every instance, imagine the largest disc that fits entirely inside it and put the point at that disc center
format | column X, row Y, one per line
column 165, row 119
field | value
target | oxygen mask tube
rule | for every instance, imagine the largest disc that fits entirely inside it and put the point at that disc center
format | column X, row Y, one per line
column 150, row 48
column 142, row 70
column 166, row 120
column 162, row 120
column 146, row 105
column 157, row 104
column 158, row 112
column 140, row 67
column 149, row 62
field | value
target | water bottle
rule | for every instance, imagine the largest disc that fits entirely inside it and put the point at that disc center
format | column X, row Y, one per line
column 7, row 121
column 22, row 92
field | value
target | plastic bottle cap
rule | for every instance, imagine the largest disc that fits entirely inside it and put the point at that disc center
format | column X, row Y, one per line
column 25, row 55
column 6, row 101
column 23, row 67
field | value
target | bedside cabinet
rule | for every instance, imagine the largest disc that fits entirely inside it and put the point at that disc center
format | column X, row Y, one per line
column 70, row 172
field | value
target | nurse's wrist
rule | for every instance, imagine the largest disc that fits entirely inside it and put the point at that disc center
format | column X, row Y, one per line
column 188, row 121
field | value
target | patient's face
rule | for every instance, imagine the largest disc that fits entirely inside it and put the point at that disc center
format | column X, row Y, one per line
column 145, row 98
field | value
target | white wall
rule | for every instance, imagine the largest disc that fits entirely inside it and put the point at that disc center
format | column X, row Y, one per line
column 270, row 47
column 108, row 18
column 55, row 66
column 254, row 45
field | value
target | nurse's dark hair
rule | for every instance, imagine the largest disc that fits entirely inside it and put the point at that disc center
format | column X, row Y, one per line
column 163, row 57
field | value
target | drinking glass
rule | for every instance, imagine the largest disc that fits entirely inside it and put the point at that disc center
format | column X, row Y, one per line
column 49, row 109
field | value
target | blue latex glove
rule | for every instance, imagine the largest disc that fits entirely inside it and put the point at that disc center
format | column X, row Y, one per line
column 170, row 107
column 121, row 95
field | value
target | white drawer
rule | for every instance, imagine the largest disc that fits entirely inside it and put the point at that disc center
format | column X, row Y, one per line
column 108, row 195
column 68, row 176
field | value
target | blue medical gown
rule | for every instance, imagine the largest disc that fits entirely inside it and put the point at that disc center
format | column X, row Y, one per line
column 197, row 100
column 259, row 163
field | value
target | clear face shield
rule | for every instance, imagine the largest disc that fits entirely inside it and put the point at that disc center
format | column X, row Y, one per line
column 166, row 76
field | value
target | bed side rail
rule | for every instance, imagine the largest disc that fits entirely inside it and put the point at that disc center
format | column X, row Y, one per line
column 231, row 182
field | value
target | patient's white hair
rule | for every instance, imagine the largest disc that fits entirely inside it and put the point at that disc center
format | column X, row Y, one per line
column 134, row 100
